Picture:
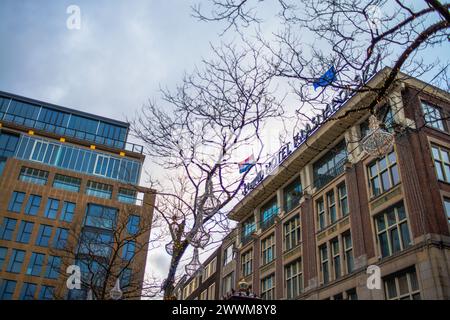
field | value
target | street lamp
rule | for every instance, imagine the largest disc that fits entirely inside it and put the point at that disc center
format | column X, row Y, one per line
column 115, row 292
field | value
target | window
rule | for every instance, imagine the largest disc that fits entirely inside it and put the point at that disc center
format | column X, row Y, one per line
column 294, row 279
column 330, row 165
column 33, row 205
column 292, row 233
column 292, row 194
column 127, row 196
column 44, row 235
column 323, row 252
column 16, row 202
column 100, row 217
column 125, row 277
column 133, row 224
column 35, row 176
column 99, row 243
column 343, row 202
column 351, row 294
column 383, row 174
column 15, row 261
column 53, row 266
column 8, row 144
column 331, row 202
column 2, row 165
column 388, row 118
column 47, row 293
column 338, row 296
column 433, row 116
column 320, row 214
column 268, row 288
column 3, row 253
column 7, row 228
column 7, row 288
column 25, row 230
column 28, row 291
column 204, row 295
column 77, row 159
column 68, row 211
column 268, row 249
column 99, row 190
column 128, row 250
column 402, row 286
column 392, row 230
column 67, row 183
column 335, row 254
column 348, row 251
column 210, row 269
column 228, row 283
column 60, row 240
column 51, row 209
column 247, row 263
column 228, row 255
column 36, row 263
column 447, row 208
column 441, row 163
column 212, row 292
column 268, row 213
column 248, row 227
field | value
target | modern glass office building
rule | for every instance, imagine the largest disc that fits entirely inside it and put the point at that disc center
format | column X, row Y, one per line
column 69, row 194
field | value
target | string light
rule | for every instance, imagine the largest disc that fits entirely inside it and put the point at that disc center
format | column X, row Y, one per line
column 378, row 141
column 194, row 267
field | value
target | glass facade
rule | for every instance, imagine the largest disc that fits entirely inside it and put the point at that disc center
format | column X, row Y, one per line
column 268, row 213
column 62, row 123
column 330, row 165
column 77, row 159
column 292, row 194
column 8, row 144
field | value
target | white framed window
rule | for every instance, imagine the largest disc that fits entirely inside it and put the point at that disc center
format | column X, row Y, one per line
column 447, row 208
column 292, row 233
column 212, row 292
column 392, row 230
column 268, row 249
column 383, row 174
column 433, row 116
column 402, row 286
column 336, row 256
column 210, row 269
column 293, row 279
column 228, row 255
column 441, row 159
column 268, row 288
column 247, row 263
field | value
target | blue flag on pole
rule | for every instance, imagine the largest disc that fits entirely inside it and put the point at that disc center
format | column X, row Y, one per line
column 326, row 79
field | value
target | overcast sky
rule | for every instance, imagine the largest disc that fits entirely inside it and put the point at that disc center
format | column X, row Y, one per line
column 118, row 59
column 123, row 53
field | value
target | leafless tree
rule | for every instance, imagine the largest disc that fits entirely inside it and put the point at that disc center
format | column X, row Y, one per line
column 199, row 133
column 99, row 246
column 357, row 37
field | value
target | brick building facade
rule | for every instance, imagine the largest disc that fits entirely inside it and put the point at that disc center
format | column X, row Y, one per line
column 66, row 176
column 312, row 229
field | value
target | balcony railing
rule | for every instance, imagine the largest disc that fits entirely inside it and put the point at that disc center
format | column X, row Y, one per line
column 322, row 179
column 246, row 238
column 67, row 132
column 266, row 224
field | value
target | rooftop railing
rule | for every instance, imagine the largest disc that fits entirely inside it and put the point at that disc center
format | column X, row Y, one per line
column 68, row 132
